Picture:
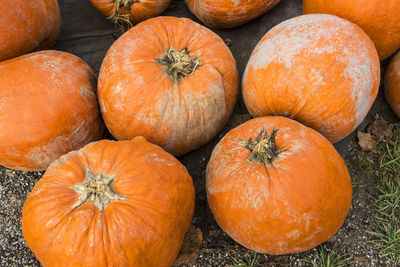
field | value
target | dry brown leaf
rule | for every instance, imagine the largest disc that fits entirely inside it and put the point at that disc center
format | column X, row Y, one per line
column 366, row 141
column 372, row 159
column 332, row 239
column 379, row 128
column 190, row 246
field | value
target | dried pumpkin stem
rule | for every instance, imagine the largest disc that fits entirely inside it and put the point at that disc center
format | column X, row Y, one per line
column 97, row 189
column 263, row 148
column 178, row 64
column 120, row 18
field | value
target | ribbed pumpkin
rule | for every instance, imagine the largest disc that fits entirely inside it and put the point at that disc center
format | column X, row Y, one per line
column 27, row 25
column 125, row 203
column 228, row 13
column 48, row 107
column 379, row 19
column 130, row 11
column 170, row 80
column 320, row 70
column 392, row 84
column 277, row 187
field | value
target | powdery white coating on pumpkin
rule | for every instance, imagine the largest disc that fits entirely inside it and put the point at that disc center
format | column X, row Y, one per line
column 229, row 13
column 249, row 199
column 192, row 116
column 236, row 2
column 138, row 97
column 288, row 43
column 157, row 207
column 26, row 26
column 48, row 131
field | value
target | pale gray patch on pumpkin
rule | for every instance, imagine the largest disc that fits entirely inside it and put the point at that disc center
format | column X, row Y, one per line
column 85, row 91
column 255, row 197
column 296, row 148
column 300, row 35
column 193, row 116
column 118, row 92
column 156, row 158
column 91, row 241
column 236, row 2
column 147, row 118
column 312, row 235
column 307, row 218
column 360, row 69
column 45, row 154
column 293, row 234
column 355, row 55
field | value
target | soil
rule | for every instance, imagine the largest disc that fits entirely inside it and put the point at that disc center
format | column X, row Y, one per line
column 87, row 34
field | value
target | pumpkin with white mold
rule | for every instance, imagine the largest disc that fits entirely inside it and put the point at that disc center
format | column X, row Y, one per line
column 228, row 13
column 130, row 12
column 378, row 18
column 277, row 187
column 320, row 70
column 111, row 203
column 48, row 107
column 26, row 26
column 170, row 80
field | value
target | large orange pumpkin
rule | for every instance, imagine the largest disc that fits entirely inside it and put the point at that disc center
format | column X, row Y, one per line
column 170, row 80
column 126, row 203
column 379, row 19
column 130, row 11
column 392, row 84
column 277, row 187
column 27, row 25
column 320, row 70
column 228, row 13
column 47, row 107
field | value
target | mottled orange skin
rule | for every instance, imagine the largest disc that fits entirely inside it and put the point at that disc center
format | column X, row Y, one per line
column 137, row 97
column 291, row 205
column 320, row 70
column 48, row 107
column 392, row 84
column 146, row 229
column 228, row 13
column 139, row 11
column 26, row 26
column 378, row 18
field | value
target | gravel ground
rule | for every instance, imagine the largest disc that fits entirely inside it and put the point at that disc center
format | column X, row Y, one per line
column 90, row 41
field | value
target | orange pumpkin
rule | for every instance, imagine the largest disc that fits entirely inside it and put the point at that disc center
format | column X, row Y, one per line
column 277, row 187
column 228, row 13
column 392, row 84
column 111, row 203
column 170, row 80
column 378, row 18
column 47, row 107
column 27, row 25
column 130, row 11
column 320, row 70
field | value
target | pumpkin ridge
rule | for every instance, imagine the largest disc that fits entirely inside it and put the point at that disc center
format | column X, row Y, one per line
column 97, row 189
column 178, row 64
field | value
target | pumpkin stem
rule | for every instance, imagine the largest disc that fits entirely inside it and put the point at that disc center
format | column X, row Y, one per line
column 178, row 64
column 122, row 12
column 263, row 148
column 97, row 189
